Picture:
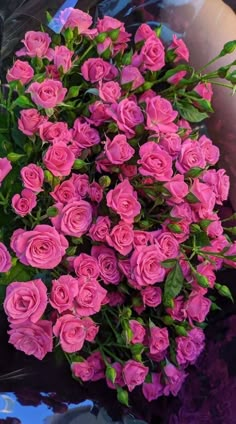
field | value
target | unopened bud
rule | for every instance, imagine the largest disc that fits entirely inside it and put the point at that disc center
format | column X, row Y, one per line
column 104, row 181
column 123, row 396
column 52, row 211
column 101, row 37
column 181, row 331
column 79, row 164
column 111, row 374
column 14, row 157
column 114, row 34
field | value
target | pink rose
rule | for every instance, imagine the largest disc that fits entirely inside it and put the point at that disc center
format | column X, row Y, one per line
column 108, row 24
column 75, row 18
column 43, row 247
column 215, row 229
column 98, row 112
column 174, row 379
column 180, row 49
column 71, row 332
column 75, row 218
column 160, row 115
column 59, row 159
column 219, row 183
column 100, row 229
column 197, row 307
column 107, row 263
column 62, row 58
column 55, row 132
column 90, row 297
column 121, row 238
column 32, row 177
column 119, row 381
column 149, row 94
column 91, row 329
column 168, row 244
column 184, row 125
column 153, row 390
column 96, row 361
column 24, row 203
column 95, row 192
column 159, row 340
column 83, row 370
column 171, row 143
column 153, row 54
column 64, row 192
column 204, row 90
column 128, row 171
column 143, row 32
column 84, row 135
column 151, row 296
column 131, row 75
column 141, row 238
column 118, row 150
column 176, row 78
column 178, row 312
column 36, row 44
column 204, row 193
column 155, row 162
column 123, row 200
column 86, row 266
column 189, row 348
column 115, row 298
column 109, row 91
column 177, row 188
column 63, row 293
column 95, row 70
column 138, row 331
column 20, row 71
column 30, row 121
column 47, row 94
column 5, row 168
column 134, row 374
column 25, row 301
column 128, row 115
column 125, row 267
column 183, row 210
column 191, row 156
column 81, row 184
column 5, row 259
column 52, row 72
column 184, row 227
column 146, row 265
column 211, row 152
column 230, row 252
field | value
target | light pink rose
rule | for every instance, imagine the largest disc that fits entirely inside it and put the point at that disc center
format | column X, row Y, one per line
column 128, row 115
column 176, row 78
column 171, row 143
column 25, row 301
column 178, row 312
column 204, row 90
column 95, row 192
column 62, row 58
column 91, row 329
column 189, row 348
column 32, row 177
column 153, row 54
column 100, row 229
column 5, row 259
column 90, row 297
column 151, row 296
column 81, row 184
column 64, row 192
column 174, row 379
column 119, row 381
column 98, row 112
column 177, row 188
column 59, row 159
column 107, row 263
column 219, row 183
column 94, row 70
column 75, row 218
column 24, row 203
column 71, row 332
column 118, row 150
column 43, row 247
column 155, row 161
column 197, row 307
column 134, row 374
column 83, row 370
column 96, row 361
column 159, row 340
column 123, row 200
column 109, row 91
column 168, row 244
column 141, row 238
column 84, row 135
column 52, row 72
column 211, row 152
column 153, row 390
column 131, row 74
column 160, row 115
column 180, row 49
column 36, row 44
column 86, row 266
column 146, row 265
column 138, row 331
column 143, row 32
column 20, row 71
column 55, row 132
column 75, row 18
column 30, row 121
column 121, row 238
column 5, row 168
column 63, row 293
column 191, row 156
column 47, row 94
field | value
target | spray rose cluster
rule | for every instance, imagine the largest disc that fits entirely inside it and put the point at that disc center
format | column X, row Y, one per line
column 109, row 195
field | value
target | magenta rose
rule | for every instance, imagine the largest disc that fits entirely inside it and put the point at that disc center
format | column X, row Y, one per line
column 75, row 218
column 146, row 265
column 5, row 168
column 63, row 293
column 134, row 374
column 20, row 71
column 59, row 159
column 83, row 370
column 155, row 162
column 95, row 192
column 24, row 203
column 30, row 121
column 32, row 339
column 86, row 266
column 109, row 91
column 32, row 177
column 43, row 247
column 138, row 331
column 189, row 348
column 180, row 49
column 95, row 70
column 191, row 156
column 71, row 332
column 107, row 263
column 219, row 183
column 36, row 44
column 100, row 229
column 204, row 90
column 62, row 58
column 177, row 188
column 131, row 75
column 160, row 115
column 55, row 132
column 159, row 340
column 153, row 390
column 153, row 54
column 171, row 143
column 64, row 192
column 143, row 32
column 123, row 200
column 121, row 238
column 118, row 150
column 151, row 296
column 47, row 94
column 197, row 307
column 90, row 297
column 91, row 329
column 5, row 259
column 84, row 135
column 25, row 301
column 75, row 18
column 174, row 379
column 128, row 115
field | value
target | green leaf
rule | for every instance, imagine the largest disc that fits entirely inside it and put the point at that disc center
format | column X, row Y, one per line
column 18, row 272
column 174, row 282
column 194, row 172
column 201, row 239
column 191, row 198
column 23, row 102
column 73, row 92
column 174, row 71
column 189, row 112
column 168, row 263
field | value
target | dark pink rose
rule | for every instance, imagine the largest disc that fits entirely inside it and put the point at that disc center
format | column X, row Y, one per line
column 115, row 298
column 177, row 188
column 63, row 293
column 184, row 227
column 219, row 183
column 159, row 340
column 153, row 54
column 134, row 374
column 81, row 184
column 138, row 331
column 123, row 200
column 143, row 32
column 52, row 72
column 128, row 115
column 25, row 301
column 197, row 307
column 20, row 71
column 83, row 370
column 59, row 159
column 55, row 132
column 64, row 192
column 47, row 94
column 155, row 161
column 5, row 168
column 119, row 381
column 75, row 18
column 171, row 143
column 118, row 150
column 5, row 259
column 32, row 177
column 146, row 265
column 178, row 312
column 121, row 238
column 189, row 348
column 95, row 192
column 84, row 135
column 62, row 58
column 32, row 339
column 86, row 266
column 100, row 229
column 151, row 296
column 174, row 379
column 109, row 91
column 184, row 125
column 90, row 297
column 131, row 74
column 153, row 390
column 204, row 90
column 95, row 69
column 96, row 361
column 107, row 263
column 211, row 152
column 128, row 171
column 36, row 44
column 71, row 332
column 98, row 112
column 180, row 49
column 75, row 218
column 91, row 329
column 30, row 121
column 160, row 115
column 191, row 156
column 43, row 247
column 24, row 203
column 103, row 164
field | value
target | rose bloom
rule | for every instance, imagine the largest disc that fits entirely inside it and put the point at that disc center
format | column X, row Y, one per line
column 177, row 188
column 159, row 340
column 219, row 183
column 47, row 94
column 174, row 379
column 43, row 247
column 84, row 135
column 191, row 156
column 63, row 292
column 71, row 332
column 59, row 159
column 127, row 115
column 153, row 54
column 160, row 115
column 121, row 238
column 153, row 390
column 118, row 150
column 55, row 132
column 204, row 90
column 5, row 259
column 32, row 177
column 128, row 171
column 30, row 121
column 86, row 266
column 197, row 307
column 109, row 91
column 207, row 270
column 204, row 194
column 100, row 229
column 64, row 192
column 141, row 238
column 24, row 203
column 62, row 58
column 171, row 143
column 96, row 69
column 138, row 331
column 75, row 18
column 52, row 72
column 75, row 218
column 131, row 75
column 108, row 24
column 168, row 244
column 83, row 370
column 5, row 168
column 189, row 348
column 155, row 162
column 146, row 265
column 143, row 32
column 90, row 297
column 36, row 44
column 178, row 312
column 81, row 184
column 180, row 49
column 211, row 152
column 98, row 365
column 25, row 301
column 151, row 296
column 98, row 112
column 134, row 374
column 95, row 192
column 20, row 71
column 91, row 329
column 32, row 339
column 107, row 263
column 123, row 200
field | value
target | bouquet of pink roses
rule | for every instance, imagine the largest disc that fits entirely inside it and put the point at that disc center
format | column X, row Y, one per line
column 110, row 237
